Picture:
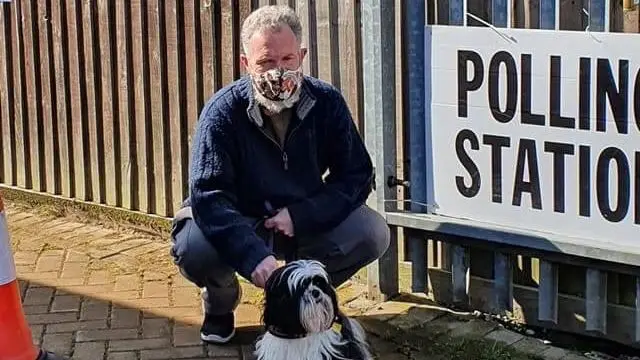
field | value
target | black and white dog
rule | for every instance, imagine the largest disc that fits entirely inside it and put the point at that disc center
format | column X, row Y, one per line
column 301, row 308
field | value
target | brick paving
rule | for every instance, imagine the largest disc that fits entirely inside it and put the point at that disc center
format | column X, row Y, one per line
column 91, row 292
column 98, row 291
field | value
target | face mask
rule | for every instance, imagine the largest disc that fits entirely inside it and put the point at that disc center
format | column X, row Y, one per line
column 277, row 84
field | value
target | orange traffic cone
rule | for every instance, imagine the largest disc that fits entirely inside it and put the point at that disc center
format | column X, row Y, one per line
column 15, row 336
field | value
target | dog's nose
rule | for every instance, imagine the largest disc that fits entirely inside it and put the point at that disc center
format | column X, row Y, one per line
column 315, row 293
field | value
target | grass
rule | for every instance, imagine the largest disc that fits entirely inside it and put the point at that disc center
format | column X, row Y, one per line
column 86, row 212
column 478, row 349
column 436, row 339
column 459, row 349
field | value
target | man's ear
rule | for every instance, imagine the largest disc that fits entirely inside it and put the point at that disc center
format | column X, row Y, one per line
column 303, row 53
column 244, row 62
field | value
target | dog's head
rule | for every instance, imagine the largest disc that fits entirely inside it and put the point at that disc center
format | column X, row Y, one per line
column 299, row 300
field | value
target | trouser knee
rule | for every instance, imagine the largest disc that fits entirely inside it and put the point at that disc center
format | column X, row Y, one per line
column 200, row 263
column 196, row 257
column 375, row 237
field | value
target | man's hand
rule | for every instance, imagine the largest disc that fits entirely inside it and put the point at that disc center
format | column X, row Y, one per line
column 281, row 222
column 262, row 272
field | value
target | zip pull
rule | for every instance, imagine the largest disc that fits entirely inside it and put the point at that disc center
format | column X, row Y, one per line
column 285, row 160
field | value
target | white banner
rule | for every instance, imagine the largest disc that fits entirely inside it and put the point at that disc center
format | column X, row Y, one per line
column 536, row 129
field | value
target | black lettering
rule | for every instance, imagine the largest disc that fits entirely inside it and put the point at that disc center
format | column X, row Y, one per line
column 526, row 117
column 559, row 150
column 636, row 100
column 503, row 57
column 465, row 85
column 496, row 143
column 618, row 96
column 555, row 97
column 468, row 164
column 602, row 184
column 637, row 188
column 527, row 152
column 585, row 94
column 584, row 179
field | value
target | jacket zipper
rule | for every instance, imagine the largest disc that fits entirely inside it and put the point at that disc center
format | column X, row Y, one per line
column 285, row 157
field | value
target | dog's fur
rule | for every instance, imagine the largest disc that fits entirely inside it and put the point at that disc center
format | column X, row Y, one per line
column 301, row 308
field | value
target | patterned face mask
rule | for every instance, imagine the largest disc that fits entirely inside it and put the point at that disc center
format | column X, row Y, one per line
column 277, row 84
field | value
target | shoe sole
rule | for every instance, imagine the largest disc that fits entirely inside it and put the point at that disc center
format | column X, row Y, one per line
column 217, row 339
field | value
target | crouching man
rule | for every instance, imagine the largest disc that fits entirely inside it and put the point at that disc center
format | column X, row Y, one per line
column 268, row 139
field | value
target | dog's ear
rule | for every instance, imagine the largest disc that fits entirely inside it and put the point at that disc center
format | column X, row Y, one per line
column 354, row 334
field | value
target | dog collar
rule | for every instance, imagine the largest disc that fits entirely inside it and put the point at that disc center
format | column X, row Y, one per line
column 277, row 333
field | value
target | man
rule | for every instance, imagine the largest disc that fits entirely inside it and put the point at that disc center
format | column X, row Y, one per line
column 267, row 140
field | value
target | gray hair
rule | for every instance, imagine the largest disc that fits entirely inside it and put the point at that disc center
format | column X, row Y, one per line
column 271, row 17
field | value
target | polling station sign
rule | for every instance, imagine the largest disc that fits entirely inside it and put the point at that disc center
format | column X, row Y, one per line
column 535, row 129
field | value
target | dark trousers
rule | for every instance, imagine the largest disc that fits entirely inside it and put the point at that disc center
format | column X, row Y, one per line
column 360, row 239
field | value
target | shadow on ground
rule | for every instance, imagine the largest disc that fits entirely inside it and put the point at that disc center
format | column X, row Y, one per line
column 81, row 327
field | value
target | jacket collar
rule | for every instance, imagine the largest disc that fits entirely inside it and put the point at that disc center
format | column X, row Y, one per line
column 302, row 108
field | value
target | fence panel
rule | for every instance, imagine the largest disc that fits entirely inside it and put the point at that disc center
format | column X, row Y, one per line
column 556, row 290
column 99, row 103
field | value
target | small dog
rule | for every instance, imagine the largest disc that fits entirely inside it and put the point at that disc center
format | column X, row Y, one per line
column 301, row 308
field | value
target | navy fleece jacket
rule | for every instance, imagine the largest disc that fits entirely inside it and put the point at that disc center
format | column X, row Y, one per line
column 236, row 167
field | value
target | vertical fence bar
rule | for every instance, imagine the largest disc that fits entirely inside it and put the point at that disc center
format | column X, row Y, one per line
column 419, row 262
column 457, row 12
column 503, row 275
column 548, row 287
column 503, row 283
column 465, row 10
column 460, row 275
column 607, row 15
column 596, row 292
column 548, row 18
column 378, row 44
column 557, row 15
column 126, row 113
column 415, row 89
column 459, row 256
column 596, row 301
column 636, row 333
column 548, row 292
column 499, row 13
column 598, row 15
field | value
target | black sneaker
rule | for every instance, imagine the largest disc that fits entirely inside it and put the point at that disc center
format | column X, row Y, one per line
column 218, row 329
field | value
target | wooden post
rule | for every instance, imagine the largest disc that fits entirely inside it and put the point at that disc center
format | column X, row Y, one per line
column 631, row 17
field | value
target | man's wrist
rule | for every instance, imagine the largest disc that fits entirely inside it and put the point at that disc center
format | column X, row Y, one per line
column 254, row 256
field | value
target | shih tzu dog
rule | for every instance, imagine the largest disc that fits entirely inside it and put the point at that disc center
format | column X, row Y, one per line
column 301, row 310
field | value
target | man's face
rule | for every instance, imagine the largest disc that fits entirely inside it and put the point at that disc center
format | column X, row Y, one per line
column 271, row 49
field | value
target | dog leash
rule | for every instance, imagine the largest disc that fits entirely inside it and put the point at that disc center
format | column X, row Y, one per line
column 271, row 234
column 291, row 245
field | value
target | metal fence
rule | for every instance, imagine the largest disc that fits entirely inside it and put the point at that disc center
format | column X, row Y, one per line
column 542, row 279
